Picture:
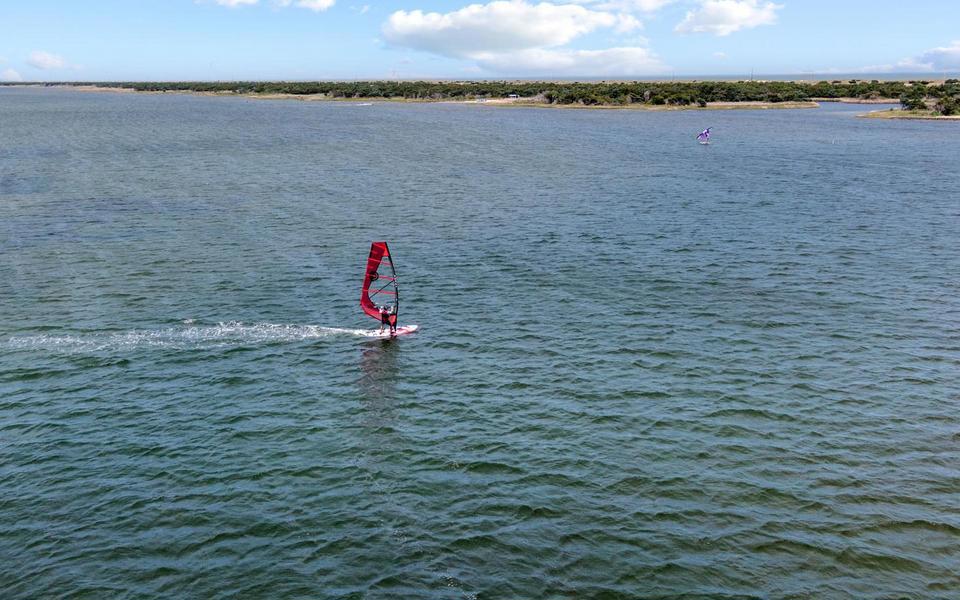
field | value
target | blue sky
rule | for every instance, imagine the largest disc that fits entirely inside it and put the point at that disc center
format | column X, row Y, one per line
column 97, row 40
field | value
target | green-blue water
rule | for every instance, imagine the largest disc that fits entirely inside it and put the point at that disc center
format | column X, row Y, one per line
column 646, row 369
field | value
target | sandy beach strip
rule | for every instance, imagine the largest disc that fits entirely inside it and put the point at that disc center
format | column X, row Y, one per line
column 898, row 113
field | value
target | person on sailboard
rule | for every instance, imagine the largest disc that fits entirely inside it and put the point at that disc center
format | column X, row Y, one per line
column 386, row 321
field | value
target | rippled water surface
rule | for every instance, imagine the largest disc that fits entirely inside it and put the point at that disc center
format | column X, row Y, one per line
column 646, row 368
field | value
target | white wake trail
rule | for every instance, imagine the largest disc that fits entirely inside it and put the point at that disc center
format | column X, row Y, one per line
column 234, row 333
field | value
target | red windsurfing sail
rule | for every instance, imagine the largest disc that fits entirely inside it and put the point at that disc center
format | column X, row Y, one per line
column 380, row 283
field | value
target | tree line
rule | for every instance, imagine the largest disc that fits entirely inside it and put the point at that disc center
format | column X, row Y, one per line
column 942, row 99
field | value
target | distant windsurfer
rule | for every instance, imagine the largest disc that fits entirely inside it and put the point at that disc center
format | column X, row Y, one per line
column 704, row 137
column 386, row 320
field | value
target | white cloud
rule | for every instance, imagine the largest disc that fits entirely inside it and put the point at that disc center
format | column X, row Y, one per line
column 627, row 23
column 629, row 61
column 10, row 75
column 314, row 5
column 644, row 6
column 364, row 9
column 45, row 60
column 235, row 3
column 723, row 17
column 941, row 59
column 944, row 58
column 517, row 37
column 720, row 55
column 907, row 65
column 500, row 26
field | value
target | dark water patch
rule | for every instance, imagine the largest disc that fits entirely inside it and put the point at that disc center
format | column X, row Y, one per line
column 751, row 414
column 491, row 468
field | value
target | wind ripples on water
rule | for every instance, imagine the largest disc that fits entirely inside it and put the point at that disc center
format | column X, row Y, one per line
column 646, row 368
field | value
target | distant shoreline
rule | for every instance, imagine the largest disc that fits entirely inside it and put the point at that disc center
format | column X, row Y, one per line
column 495, row 102
column 645, row 95
column 636, row 95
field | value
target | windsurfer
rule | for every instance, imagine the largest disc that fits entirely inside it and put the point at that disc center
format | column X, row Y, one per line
column 386, row 321
column 380, row 270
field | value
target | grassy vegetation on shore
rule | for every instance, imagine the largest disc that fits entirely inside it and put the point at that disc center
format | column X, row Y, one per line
column 897, row 113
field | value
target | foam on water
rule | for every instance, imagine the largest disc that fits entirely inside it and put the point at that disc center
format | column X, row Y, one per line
column 234, row 333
